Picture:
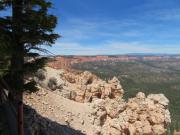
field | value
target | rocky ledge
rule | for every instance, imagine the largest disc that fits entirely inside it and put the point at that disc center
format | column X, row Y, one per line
column 86, row 103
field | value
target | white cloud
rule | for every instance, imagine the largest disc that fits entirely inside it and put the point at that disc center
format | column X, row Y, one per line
column 111, row 47
column 82, row 29
column 107, row 35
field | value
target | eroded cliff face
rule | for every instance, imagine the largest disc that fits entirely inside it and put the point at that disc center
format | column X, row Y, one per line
column 95, row 107
column 88, row 87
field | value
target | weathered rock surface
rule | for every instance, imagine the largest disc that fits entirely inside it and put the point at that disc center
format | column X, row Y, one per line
column 97, row 107
column 140, row 115
column 88, row 87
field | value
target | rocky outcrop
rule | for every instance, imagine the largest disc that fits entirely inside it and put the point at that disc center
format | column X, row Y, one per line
column 100, row 108
column 81, row 87
column 88, row 87
column 140, row 115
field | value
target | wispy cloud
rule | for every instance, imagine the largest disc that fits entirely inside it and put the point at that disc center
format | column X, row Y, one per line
column 78, row 29
column 112, row 47
column 148, row 27
column 82, row 30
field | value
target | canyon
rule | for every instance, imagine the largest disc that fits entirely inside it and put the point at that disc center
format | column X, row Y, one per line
column 66, row 62
column 83, row 102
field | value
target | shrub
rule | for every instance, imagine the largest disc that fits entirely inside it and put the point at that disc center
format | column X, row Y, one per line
column 40, row 74
column 52, row 83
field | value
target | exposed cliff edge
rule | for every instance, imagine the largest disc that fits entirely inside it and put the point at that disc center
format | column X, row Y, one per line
column 86, row 103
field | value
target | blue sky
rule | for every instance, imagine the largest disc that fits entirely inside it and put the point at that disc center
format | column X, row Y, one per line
column 90, row 27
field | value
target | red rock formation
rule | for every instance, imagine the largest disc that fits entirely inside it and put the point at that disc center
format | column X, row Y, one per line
column 63, row 62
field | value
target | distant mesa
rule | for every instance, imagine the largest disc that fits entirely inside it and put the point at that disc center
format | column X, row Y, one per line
column 65, row 62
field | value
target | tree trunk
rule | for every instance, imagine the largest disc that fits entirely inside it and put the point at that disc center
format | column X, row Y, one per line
column 17, row 61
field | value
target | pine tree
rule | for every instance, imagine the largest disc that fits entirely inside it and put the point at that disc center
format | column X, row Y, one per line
column 4, row 40
column 21, row 35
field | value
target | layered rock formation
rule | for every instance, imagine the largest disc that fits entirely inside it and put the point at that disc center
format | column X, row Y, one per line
column 97, row 107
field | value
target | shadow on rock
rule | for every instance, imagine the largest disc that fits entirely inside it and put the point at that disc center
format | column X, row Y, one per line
column 35, row 124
